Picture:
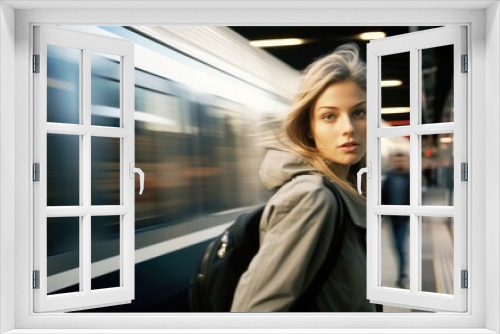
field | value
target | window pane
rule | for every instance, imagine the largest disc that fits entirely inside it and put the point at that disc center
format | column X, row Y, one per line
column 105, row 252
column 395, row 87
column 437, row 254
column 437, row 85
column 395, row 251
column 63, row 255
column 63, row 84
column 105, row 171
column 395, row 170
column 63, row 170
column 105, row 89
column 437, row 170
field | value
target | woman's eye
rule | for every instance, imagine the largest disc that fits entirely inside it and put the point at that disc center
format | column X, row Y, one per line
column 360, row 113
column 328, row 117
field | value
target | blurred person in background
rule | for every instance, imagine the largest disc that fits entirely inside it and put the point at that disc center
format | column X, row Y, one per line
column 396, row 191
column 323, row 136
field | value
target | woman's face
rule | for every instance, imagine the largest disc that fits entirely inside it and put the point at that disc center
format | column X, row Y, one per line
column 338, row 123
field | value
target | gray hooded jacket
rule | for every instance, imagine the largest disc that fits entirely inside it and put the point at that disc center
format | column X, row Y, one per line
column 295, row 230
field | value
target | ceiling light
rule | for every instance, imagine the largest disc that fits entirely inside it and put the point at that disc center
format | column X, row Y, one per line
column 396, row 110
column 269, row 43
column 446, row 140
column 391, row 83
column 372, row 35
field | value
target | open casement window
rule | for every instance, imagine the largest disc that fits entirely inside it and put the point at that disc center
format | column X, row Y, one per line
column 83, row 156
column 431, row 146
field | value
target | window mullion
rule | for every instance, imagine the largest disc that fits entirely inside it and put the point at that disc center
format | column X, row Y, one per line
column 85, row 246
column 415, row 237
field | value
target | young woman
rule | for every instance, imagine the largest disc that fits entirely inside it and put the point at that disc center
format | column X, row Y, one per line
column 324, row 135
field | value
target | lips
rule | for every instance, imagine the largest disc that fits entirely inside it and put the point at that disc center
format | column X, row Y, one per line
column 350, row 144
column 349, row 147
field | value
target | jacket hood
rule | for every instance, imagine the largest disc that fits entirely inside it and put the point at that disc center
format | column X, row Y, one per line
column 279, row 167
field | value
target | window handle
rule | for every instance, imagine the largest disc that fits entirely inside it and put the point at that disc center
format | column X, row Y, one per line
column 138, row 171
column 367, row 170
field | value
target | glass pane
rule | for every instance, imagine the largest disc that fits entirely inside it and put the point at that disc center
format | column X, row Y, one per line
column 395, row 251
column 437, row 84
column 437, row 254
column 105, row 252
column 63, row 84
column 105, row 171
column 63, row 170
column 63, row 255
column 395, row 170
column 395, row 93
column 437, row 169
column 105, row 89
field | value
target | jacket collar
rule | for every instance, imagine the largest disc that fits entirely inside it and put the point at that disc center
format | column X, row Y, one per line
column 278, row 167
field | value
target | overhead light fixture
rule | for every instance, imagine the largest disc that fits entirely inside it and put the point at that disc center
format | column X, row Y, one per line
column 391, row 83
column 446, row 140
column 396, row 110
column 270, row 43
column 366, row 36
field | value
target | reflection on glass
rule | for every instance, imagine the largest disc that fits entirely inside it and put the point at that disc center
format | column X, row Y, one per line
column 395, row 243
column 105, row 171
column 105, row 78
column 437, row 84
column 437, row 254
column 105, row 238
column 395, row 170
column 63, row 255
column 63, row 84
column 63, row 170
column 437, row 170
column 395, row 85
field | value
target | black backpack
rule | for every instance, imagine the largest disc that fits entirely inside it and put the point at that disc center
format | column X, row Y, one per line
column 227, row 257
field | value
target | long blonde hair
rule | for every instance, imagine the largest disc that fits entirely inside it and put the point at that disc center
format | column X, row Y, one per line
column 344, row 64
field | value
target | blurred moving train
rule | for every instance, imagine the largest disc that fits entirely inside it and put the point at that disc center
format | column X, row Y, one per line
column 194, row 108
column 194, row 112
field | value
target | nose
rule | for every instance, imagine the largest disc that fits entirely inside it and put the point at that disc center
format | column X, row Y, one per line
column 347, row 126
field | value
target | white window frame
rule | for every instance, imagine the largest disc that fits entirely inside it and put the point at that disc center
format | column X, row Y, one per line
column 414, row 43
column 483, row 21
column 86, row 297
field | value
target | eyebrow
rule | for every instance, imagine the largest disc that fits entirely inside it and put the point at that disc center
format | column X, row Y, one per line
column 333, row 107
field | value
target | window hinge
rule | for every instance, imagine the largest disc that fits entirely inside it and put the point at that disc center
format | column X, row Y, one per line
column 465, row 171
column 36, row 172
column 465, row 64
column 36, row 63
column 465, row 279
column 36, row 279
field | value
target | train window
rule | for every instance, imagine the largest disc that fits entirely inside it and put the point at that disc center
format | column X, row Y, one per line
column 158, row 111
column 84, row 198
column 416, row 188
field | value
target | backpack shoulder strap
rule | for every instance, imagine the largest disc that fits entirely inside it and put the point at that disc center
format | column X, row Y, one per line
column 307, row 301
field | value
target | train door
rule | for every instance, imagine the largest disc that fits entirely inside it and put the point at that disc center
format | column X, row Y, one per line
column 435, row 216
column 83, row 170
